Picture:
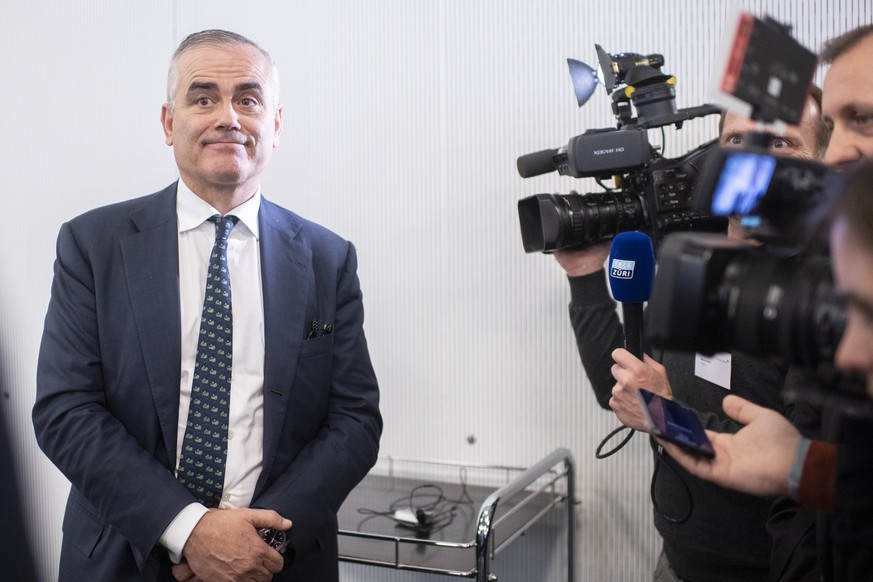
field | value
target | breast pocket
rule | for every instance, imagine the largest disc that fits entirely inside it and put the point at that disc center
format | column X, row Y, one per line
column 316, row 347
column 312, row 380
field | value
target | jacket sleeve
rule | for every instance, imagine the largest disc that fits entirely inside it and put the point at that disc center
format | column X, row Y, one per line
column 598, row 331
column 101, row 439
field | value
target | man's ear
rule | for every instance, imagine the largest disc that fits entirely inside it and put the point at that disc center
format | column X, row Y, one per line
column 167, row 123
column 277, row 130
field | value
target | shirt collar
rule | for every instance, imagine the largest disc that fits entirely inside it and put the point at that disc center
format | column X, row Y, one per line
column 192, row 210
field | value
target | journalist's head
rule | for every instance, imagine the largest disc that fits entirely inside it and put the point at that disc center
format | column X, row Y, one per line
column 848, row 97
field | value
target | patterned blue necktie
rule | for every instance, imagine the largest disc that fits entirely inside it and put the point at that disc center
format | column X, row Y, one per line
column 204, row 447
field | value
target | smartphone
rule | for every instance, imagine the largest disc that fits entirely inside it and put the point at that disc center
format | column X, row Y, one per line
column 675, row 422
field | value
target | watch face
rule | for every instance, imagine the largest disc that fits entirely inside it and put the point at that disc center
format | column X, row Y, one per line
column 276, row 539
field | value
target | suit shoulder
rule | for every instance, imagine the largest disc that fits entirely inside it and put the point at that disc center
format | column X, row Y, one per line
column 297, row 226
column 119, row 215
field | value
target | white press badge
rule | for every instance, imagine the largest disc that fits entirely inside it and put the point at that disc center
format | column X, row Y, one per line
column 715, row 368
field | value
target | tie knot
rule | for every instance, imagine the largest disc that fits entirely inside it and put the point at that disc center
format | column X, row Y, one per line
column 223, row 225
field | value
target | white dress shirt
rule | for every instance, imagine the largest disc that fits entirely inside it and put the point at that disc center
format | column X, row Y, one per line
column 246, row 422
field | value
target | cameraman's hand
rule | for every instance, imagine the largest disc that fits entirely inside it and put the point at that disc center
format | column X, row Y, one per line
column 578, row 262
column 756, row 459
column 631, row 373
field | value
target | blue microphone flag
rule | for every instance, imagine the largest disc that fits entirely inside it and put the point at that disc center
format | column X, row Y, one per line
column 631, row 267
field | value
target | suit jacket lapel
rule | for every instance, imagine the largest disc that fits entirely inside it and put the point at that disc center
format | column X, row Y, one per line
column 285, row 264
column 151, row 265
column 151, row 270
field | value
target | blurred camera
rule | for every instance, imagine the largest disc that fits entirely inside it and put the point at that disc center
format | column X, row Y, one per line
column 777, row 300
column 713, row 294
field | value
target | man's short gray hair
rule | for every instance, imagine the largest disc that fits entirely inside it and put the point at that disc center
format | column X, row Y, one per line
column 215, row 37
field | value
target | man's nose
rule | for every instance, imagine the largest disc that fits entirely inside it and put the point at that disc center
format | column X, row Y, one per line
column 227, row 117
column 854, row 352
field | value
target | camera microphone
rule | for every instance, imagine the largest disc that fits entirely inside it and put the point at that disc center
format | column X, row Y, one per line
column 537, row 163
column 631, row 269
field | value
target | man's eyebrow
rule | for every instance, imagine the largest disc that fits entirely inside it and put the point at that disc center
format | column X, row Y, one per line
column 858, row 302
column 202, row 86
column 250, row 86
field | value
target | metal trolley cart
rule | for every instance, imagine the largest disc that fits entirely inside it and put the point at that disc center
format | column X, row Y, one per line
column 451, row 518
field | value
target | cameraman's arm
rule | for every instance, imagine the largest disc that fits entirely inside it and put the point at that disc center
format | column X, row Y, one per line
column 593, row 316
column 581, row 262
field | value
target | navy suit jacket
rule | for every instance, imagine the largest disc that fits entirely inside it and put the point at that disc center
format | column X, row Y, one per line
column 108, row 379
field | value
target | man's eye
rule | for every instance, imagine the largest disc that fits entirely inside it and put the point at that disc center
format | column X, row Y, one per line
column 203, row 101
column 735, row 140
column 863, row 317
column 863, row 120
column 249, row 102
column 777, row 143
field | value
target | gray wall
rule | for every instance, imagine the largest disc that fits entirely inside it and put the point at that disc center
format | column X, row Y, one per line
column 403, row 121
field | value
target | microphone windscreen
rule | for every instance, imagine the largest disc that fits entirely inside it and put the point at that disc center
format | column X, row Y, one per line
column 631, row 267
column 537, row 163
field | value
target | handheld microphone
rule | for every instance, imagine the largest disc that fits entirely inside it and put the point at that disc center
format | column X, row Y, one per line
column 631, row 269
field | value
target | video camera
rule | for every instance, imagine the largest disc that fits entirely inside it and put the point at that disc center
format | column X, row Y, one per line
column 714, row 294
column 653, row 194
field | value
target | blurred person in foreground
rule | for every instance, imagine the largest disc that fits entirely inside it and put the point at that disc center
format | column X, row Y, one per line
column 768, row 456
column 16, row 556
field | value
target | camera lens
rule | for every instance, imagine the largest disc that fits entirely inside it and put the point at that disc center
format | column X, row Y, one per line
column 550, row 222
column 784, row 306
column 714, row 294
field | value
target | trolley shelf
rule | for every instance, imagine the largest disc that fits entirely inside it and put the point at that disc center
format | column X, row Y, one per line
column 474, row 521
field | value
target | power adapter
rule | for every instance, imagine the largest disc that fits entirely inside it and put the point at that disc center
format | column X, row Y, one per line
column 420, row 519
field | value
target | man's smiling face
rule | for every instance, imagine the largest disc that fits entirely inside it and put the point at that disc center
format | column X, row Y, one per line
column 224, row 122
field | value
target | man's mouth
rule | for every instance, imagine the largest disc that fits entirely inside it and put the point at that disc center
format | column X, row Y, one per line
column 239, row 142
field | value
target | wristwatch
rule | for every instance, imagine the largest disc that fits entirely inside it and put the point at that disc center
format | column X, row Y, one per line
column 275, row 538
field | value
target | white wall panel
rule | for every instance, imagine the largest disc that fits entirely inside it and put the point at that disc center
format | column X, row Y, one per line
column 403, row 121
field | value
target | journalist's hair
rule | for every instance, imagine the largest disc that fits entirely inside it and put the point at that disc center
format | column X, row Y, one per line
column 822, row 131
column 836, row 47
column 215, row 37
column 853, row 204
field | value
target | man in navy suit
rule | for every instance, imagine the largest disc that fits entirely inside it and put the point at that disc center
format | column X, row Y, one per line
column 117, row 360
